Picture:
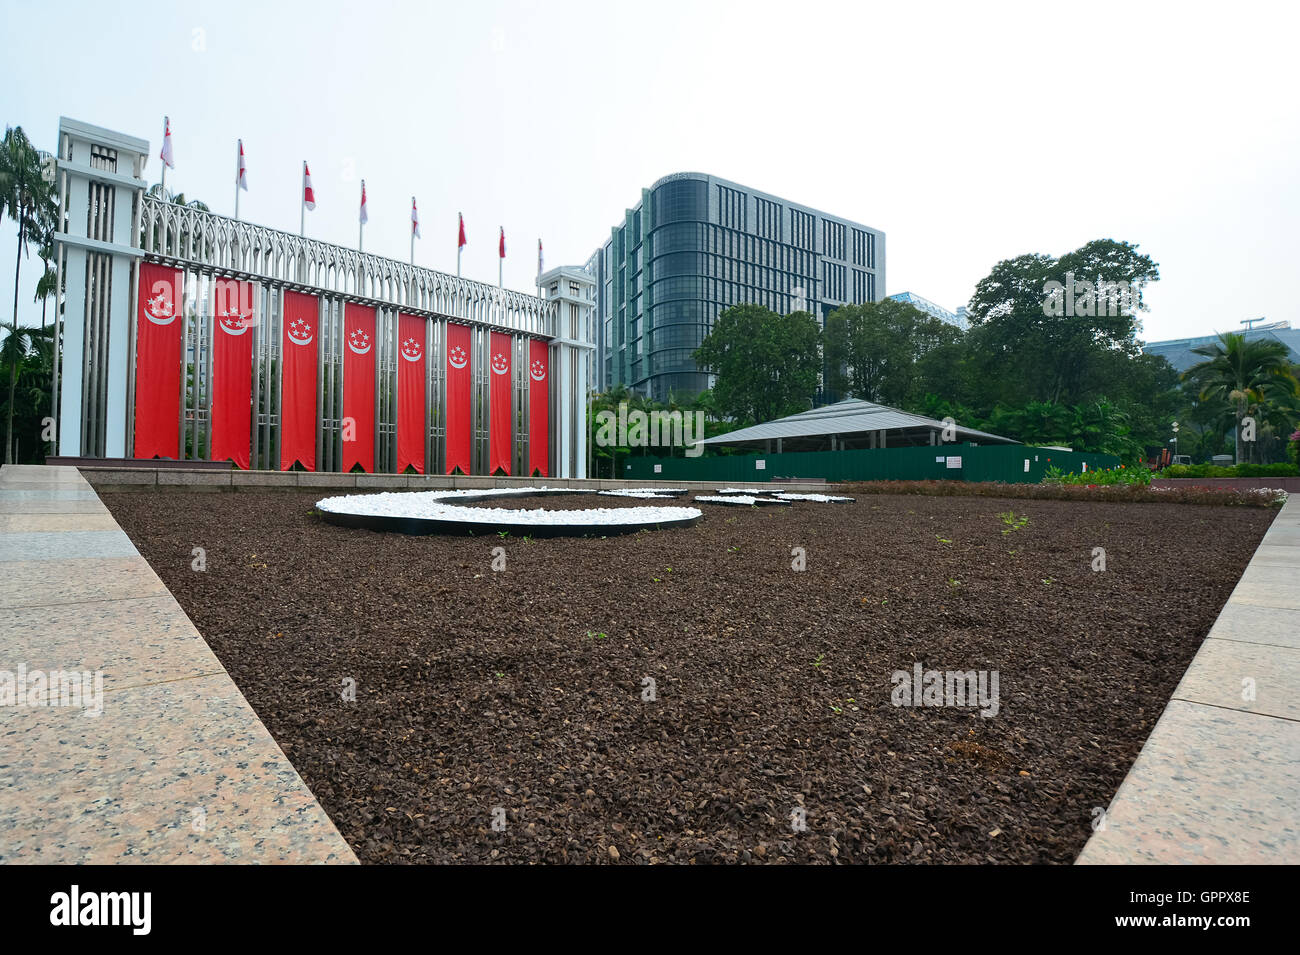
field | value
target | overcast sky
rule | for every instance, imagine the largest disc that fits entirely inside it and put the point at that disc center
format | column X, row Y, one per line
column 968, row 132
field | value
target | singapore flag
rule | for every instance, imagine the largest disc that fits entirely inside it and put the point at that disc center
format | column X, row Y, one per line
column 166, row 154
column 308, row 195
column 415, row 219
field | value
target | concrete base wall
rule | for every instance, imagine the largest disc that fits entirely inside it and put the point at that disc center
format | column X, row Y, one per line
column 177, row 479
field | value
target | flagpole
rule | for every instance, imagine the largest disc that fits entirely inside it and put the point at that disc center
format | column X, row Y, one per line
column 361, row 226
column 413, row 232
column 460, row 221
column 302, row 213
column 162, row 187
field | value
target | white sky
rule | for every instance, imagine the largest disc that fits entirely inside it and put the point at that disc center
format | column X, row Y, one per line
column 968, row 132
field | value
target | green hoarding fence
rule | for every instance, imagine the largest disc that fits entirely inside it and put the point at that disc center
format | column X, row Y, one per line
column 1011, row 464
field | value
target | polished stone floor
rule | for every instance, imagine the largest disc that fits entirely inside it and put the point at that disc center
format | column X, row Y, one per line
column 1218, row 781
column 168, row 763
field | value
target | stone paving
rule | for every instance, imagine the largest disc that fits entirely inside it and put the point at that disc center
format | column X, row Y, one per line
column 176, row 766
column 1218, row 781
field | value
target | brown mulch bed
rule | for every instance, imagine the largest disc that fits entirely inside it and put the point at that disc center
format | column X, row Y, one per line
column 523, row 689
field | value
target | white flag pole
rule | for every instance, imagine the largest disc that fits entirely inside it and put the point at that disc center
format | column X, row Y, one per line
column 361, row 223
column 302, row 189
column 412, row 231
column 460, row 227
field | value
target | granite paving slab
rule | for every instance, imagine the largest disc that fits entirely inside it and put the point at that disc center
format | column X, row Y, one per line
column 122, row 738
column 1218, row 780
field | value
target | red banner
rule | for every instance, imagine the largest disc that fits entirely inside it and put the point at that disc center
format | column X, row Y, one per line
column 499, row 433
column 232, row 372
column 539, row 407
column 459, row 402
column 359, row 388
column 299, row 349
column 159, row 327
column 412, row 381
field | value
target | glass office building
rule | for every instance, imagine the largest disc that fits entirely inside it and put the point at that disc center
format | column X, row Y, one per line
column 958, row 318
column 697, row 244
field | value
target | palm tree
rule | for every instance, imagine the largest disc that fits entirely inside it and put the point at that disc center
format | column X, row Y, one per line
column 19, row 343
column 28, row 199
column 1243, row 373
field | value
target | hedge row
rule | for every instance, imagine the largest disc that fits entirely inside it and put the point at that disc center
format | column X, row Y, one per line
column 1126, row 493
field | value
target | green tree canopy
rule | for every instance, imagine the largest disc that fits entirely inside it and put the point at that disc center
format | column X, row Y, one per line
column 1250, row 376
column 878, row 351
column 767, row 365
column 1045, row 323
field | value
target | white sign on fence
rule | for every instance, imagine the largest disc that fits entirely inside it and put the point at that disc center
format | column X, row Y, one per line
column 954, row 461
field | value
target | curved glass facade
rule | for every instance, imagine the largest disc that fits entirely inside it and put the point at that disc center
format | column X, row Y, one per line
column 696, row 245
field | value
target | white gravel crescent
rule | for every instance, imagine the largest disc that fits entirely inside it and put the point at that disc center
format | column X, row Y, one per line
column 750, row 491
column 735, row 499
column 440, row 506
column 658, row 493
column 818, row 498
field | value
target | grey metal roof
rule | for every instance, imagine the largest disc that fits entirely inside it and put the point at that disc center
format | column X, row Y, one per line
column 848, row 417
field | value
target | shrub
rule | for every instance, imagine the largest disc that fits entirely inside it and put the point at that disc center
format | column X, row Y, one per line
column 1103, row 477
column 1122, row 493
column 1236, row 470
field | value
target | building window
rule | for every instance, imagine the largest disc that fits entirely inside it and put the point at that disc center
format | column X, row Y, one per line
column 801, row 229
column 833, row 239
column 769, row 218
column 731, row 208
column 832, row 282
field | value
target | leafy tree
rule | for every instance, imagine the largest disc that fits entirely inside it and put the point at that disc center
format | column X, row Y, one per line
column 766, row 364
column 26, row 364
column 1247, row 374
column 1033, row 341
column 876, row 351
column 28, row 199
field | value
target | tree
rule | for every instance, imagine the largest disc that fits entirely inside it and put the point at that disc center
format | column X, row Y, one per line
column 766, row 364
column 26, row 357
column 27, row 199
column 878, row 351
column 1244, row 374
column 1041, row 325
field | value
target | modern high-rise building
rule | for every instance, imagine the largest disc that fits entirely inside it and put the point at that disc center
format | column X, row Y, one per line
column 696, row 244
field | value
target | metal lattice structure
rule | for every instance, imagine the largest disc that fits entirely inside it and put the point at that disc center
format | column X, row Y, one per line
column 101, row 186
column 184, row 236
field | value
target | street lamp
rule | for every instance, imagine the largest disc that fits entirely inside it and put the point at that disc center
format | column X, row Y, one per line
column 1175, row 439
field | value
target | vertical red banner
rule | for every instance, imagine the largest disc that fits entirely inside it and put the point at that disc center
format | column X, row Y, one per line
column 459, row 398
column 412, row 381
column 158, row 362
column 499, row 433
column 232, row 372
column 299, row 351
column 359, row 388
column 539, row 407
